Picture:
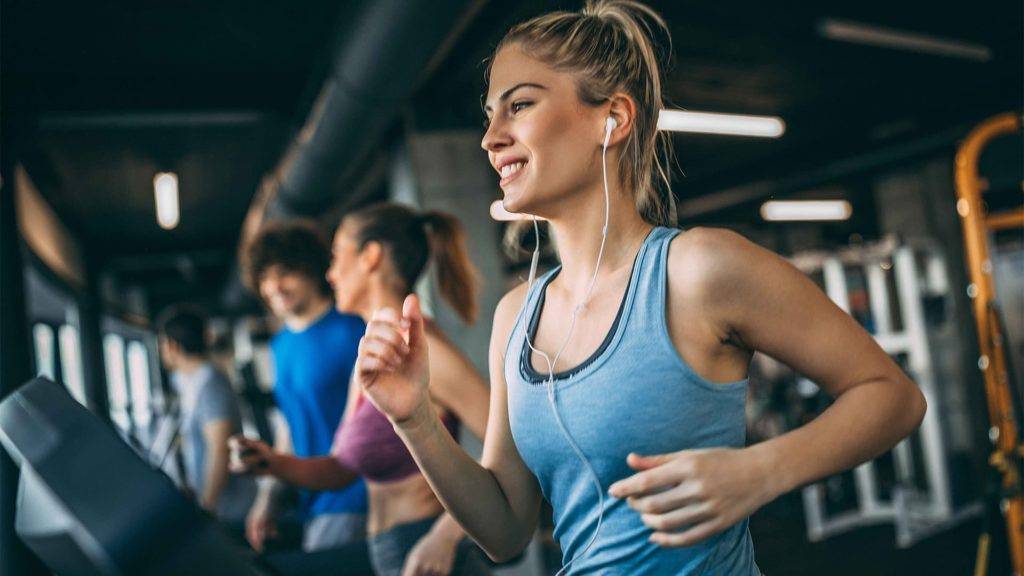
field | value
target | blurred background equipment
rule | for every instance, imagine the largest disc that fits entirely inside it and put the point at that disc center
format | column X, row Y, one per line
column 885, row 286
column 73, row 468
column 1000, row 353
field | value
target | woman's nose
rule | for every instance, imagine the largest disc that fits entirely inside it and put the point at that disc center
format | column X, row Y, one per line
column 496, row 137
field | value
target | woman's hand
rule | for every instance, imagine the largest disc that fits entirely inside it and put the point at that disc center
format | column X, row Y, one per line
column 688, row 496
column 392, row 367
column 433, row 555
column 251, row 457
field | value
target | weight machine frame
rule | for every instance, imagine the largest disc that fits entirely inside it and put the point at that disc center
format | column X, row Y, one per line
column 915, row 513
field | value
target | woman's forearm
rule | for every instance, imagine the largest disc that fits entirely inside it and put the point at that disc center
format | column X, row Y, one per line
column 469, row 492
column 446, row 527
column 322, row 473
column 862, row 423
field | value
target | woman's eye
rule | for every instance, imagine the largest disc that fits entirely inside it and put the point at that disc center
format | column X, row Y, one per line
column 514, row 108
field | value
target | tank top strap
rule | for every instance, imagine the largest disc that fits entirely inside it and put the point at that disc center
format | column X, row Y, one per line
column 651, row 279
column 526, row 310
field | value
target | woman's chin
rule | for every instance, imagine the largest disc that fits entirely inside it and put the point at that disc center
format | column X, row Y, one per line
column 516, row 203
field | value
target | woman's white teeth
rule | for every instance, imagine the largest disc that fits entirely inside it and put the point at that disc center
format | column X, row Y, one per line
column 510, row 169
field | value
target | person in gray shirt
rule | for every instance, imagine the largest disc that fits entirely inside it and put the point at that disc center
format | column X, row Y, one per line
column 209, row 415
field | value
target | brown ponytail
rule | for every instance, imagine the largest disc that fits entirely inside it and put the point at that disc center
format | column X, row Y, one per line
column 456, row 275
column 411, row 239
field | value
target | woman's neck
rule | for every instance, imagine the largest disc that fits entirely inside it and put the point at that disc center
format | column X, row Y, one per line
column 378, row 297
column 578, row 240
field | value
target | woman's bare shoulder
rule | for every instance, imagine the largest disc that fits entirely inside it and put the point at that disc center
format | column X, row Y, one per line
column 507, row 310
column 702, row 258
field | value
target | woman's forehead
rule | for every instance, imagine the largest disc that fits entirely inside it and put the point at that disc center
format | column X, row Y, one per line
column 342, row 233
column 512, row 66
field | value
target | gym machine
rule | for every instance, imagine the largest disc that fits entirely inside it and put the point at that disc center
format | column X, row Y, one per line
column 1002, row 399
column 896, row 278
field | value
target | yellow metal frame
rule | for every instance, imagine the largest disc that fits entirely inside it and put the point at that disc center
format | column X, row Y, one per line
column 977, row 225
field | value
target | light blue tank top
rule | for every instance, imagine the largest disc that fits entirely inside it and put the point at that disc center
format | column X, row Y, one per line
column 635, row 394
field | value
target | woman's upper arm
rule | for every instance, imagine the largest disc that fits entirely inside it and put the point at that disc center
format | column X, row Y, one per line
column 350, row 407
column 771, row 307
column 500, row 454
column 456, row 385
column 350, row 399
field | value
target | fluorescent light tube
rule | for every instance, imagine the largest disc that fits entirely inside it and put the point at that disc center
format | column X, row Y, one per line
column 499, row 213
column 714, row 123
column 165, row 188
column 857, row 33
column 806, row 210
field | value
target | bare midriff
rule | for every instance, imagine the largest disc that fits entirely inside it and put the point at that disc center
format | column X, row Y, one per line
column 400, row 502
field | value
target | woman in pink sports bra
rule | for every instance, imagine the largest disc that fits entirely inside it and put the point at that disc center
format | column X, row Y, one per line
column 378, row 254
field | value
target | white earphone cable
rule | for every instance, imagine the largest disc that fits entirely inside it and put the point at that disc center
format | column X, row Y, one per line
column 550, row 384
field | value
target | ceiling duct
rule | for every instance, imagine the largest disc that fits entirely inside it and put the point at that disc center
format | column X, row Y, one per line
column 383, row 50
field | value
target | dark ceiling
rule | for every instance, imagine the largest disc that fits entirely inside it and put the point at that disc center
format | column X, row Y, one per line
column 101, row 172
column 837, row 99
column 115, row 91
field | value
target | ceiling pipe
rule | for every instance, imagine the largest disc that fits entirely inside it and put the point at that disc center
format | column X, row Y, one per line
column 384, row 49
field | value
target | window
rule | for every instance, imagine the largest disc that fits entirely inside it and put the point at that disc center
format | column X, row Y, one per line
column 71, row 362
column 159, row 401
column 42, row 337
column 117, row 379
column 138, row 377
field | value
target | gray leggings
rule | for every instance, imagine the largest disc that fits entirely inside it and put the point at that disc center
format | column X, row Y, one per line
column 389, row 549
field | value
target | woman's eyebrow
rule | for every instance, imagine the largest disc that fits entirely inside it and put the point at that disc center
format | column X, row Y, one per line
column 505, row 95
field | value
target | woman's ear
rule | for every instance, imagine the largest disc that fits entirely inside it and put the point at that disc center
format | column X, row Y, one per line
column 622, row 108
column 371, row 256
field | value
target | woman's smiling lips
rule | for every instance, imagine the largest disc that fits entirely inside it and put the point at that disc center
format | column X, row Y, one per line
column 509, row 169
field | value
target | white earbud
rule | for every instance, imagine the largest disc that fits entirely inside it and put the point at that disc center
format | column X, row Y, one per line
column 609, row 125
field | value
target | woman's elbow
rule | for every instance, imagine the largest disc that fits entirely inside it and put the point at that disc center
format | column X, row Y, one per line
column 497, row 556
column 506, row 551
column 914, row 407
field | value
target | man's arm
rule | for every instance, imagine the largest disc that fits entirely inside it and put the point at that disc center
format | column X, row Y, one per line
column 215, row 435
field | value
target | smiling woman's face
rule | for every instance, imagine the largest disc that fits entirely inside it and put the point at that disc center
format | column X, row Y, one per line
column 542, row 139
column 347, row 278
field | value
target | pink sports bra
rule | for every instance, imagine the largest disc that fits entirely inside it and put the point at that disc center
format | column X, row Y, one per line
column 367, row 443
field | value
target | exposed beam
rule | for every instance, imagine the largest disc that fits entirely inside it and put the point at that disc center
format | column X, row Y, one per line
column 154, row 119
column 797, row 180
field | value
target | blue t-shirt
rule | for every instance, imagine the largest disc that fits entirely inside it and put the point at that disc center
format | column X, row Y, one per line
column 312, row 372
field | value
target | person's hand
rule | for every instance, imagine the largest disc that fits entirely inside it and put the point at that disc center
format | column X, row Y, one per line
column 433, row 555
column 392, row 368
column 250, row 456
column 688, row 496
column 261, row 523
